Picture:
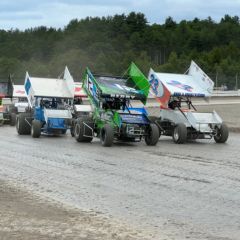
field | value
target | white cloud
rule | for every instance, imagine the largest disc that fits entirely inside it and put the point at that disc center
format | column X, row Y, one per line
column 57, row 13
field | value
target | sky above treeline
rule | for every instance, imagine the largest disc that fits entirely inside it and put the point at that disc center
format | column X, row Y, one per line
column 23, row 14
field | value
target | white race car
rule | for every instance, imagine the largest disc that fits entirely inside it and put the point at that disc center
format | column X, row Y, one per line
column 178, row 117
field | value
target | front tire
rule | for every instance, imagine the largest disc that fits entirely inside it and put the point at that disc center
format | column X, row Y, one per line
column 179, row 134
column 23, row 128
column 107, row 135
column 153, row 135
column 13, row 117
column 73, row 128
column 83, row 133
column 222, row 134
column 36, row 128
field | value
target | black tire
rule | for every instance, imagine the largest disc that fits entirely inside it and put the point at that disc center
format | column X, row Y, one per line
column 107, row 135
column 23, row 128
column 13, row 119
column 36, row 128
column 179, row 134
column 222, row 134
column 81, row 132
column 156, row 120
column 72, row 131
column 153, row 135
column 72, row 127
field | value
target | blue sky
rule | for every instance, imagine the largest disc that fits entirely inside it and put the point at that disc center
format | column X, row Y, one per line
column 24, row 14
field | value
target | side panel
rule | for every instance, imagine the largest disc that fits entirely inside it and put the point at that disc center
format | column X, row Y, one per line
column 158, row 89
column 91, row 87
column 29, row 90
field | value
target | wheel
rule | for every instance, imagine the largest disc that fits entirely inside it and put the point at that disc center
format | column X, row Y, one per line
column 107, row 135
column 22, row 126
column 36, row 128
column 222, row 134
column 72, row 128
column 156, row 120
column 72, row 131
column 13, row 117
column 83, row 133
column 180, row 134
column 153, row 135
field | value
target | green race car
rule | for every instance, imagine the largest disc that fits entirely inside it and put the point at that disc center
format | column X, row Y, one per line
column 113, row 117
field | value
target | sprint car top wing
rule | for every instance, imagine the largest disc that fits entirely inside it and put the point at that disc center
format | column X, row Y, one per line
column 193, row 84
column 49, row 87
column 19, row 91
column 133, row 85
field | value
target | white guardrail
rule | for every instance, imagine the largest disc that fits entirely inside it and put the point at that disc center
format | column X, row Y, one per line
column 217, row 93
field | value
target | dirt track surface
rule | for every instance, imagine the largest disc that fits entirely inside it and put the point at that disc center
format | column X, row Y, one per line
column 28, row 217
column 189, row 191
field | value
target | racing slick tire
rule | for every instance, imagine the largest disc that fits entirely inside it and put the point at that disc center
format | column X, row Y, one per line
column 72, row 127
column 36, row 128
column 153, row 135
column 107, row 135
column 23, row 128
column 83, row 133
column 72, row 131
column 156, row 120
column 13, row 117
column 222, row 134
column 179, row 134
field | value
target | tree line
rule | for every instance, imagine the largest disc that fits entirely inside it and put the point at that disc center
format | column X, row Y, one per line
column 108, row 45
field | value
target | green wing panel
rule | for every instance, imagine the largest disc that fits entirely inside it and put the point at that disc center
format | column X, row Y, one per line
column 137, row 80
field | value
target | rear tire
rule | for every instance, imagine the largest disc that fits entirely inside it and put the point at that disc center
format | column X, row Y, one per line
column 36, row 128
column 152, row 138
column 23, row 128
column 222, row 134
column 83, row 133
column 107, row 135
column 13, row 117
column 156, row 120
column 179, row 134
